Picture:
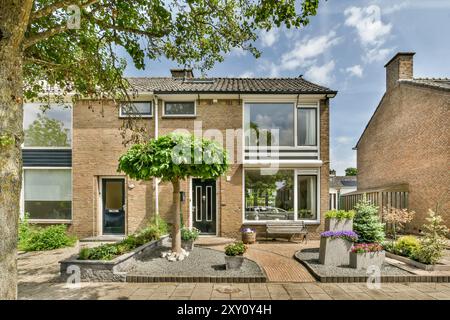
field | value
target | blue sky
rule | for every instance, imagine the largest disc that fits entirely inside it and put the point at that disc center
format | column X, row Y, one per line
column 345, row 48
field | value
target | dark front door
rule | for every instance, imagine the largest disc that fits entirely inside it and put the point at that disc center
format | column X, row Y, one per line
column 113, row 198
column 204, row 205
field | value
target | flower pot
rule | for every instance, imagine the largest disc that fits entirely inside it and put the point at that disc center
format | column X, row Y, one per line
column 334, row 224
column 248, row 237
column 366, row 259
column 334, row 252
column 234, row 262
column 187, row 245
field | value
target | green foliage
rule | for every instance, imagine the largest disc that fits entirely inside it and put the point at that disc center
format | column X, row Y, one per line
column 46, row 132
column 174, row 156
column 340, row 214
column 33, row 238
column 351, row 172
column 189, row 234
column 433, row 243
column 110, row 251
column 366, row 223
column 163, row 226
column 405, row 246
column 235, row 249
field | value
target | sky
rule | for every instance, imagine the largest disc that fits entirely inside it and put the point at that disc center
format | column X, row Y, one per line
column 345, row 48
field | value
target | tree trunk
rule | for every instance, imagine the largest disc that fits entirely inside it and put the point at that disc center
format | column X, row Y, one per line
column 14, row 15
column 176, row 232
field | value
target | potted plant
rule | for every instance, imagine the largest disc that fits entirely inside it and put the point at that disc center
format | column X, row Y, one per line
column 234, row 255
column 363, row 255
column 339, row 220
column 188, row 237
column 248, row 235
column 335, row 247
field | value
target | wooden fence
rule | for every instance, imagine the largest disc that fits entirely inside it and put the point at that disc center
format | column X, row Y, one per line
column 396, row 196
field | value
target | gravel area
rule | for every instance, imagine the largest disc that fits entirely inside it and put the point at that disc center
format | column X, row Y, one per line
column 311, row 257
column 200, row 262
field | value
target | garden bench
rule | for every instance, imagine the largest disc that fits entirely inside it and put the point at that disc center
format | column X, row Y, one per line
column 297, row 228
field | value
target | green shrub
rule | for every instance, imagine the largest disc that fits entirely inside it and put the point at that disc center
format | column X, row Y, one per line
column 103, row 252
column 340, row 214
column 367, row 223
column 189, row 234
column 32, row 238
column 433, row 243
column 235, row 249
column 163, row 226
column 406, row 245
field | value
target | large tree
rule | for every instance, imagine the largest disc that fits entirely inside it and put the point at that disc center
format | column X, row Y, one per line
column 40, row 52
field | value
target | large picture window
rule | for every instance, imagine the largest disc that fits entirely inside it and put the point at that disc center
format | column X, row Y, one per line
column 269, row 124
column 48, row 193
column 47, row 126
column 269, row 197
column 285, row 196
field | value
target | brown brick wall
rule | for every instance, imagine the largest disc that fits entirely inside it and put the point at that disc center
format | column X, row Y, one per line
column 407, row 141
column 401, row 67
column 97, row 145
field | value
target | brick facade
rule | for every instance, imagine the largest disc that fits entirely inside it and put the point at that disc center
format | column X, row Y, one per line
column 407, row 141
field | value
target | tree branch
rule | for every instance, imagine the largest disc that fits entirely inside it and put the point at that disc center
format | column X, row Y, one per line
column 45, row 11
column 44, row 35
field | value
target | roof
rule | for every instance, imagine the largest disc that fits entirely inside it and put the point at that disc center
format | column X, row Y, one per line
column 439, row 83
column 339, row 182
column 228, row 85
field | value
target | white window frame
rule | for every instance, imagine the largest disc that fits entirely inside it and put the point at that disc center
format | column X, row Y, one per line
column 296, row 105
column 22, row 196
column 137, row 115
column 296, row 172
column 164, row 115
column 52, row 148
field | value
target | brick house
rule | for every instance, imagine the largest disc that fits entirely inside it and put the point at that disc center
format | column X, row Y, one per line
column 70, row 168
column 406, row 142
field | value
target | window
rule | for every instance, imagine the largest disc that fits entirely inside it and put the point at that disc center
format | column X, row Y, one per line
column 136, row 109
column 307, row 197
column 48, row 193
column 269, row 124
column 179, row 108
column 286, row 195
column 307, row 126
column 269, row 197
column 47, row 126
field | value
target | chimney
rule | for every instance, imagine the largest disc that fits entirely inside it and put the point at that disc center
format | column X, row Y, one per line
column 399, row 67
column 182, row 73
column 332, row 173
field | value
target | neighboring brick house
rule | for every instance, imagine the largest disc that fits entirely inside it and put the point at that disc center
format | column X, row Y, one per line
column 70, row 175
column 407, row 140
column 339, row 186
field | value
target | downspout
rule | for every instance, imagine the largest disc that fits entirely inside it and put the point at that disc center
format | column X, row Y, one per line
column 156, row 180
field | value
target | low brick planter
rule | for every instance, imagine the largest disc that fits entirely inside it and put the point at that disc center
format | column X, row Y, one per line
column 417, row 264
column 105, row 270
column 334, row 224
column 366, row 259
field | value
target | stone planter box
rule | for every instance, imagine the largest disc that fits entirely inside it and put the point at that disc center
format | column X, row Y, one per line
column 105, row 270
column 417, row 264
column 366, row 259
column 334, row 252
column 234, row 262
column 187, row 245
column 334, row 224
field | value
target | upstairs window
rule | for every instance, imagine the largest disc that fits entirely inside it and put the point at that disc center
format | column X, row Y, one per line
column 179, row 109
column 136, row 109
column 47, row 126
column 307, row 127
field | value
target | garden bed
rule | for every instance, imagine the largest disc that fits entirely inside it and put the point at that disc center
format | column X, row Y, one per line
column 106, row 270
column 417, row 264
column 389, row 273
column 202, row 265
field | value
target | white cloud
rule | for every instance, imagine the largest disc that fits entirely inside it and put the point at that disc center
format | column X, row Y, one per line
column 321, row 74
column 377, row 54
column 247, row 74
column 344, row 139
column 355, row 70
column 367, row 21
column 342, row 158
column 305, row 51
column 238, row 52
column 268, row 38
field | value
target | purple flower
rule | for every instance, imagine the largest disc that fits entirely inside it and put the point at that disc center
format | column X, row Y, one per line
column 247, row 230
column 349, row 235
